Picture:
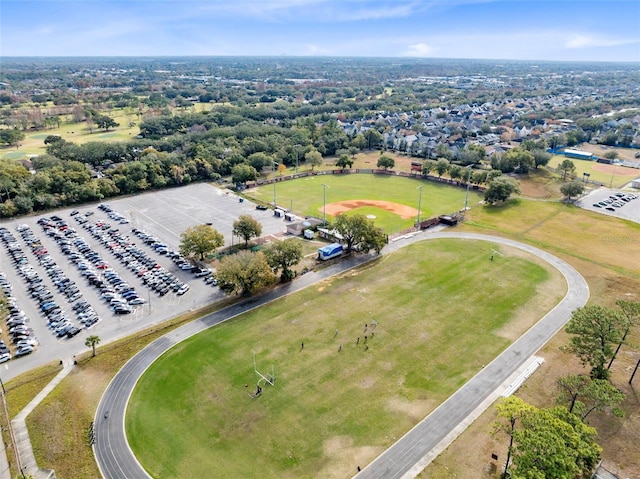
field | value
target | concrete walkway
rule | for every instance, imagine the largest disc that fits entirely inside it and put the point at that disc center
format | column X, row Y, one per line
column 27, row 460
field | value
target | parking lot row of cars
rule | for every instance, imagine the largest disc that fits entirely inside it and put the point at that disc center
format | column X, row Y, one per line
column 616, row 200
column 162, row 249
column 111, row 287
column 22, row 338
column 151, row 273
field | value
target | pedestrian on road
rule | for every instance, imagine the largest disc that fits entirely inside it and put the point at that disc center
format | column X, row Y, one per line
column 106, row 415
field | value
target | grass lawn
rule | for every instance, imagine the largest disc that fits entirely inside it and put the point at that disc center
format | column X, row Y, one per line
column 305, row 196
column 443, row 310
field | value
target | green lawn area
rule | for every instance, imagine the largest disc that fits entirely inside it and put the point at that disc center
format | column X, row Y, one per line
column 443, row 310
column 305, row 196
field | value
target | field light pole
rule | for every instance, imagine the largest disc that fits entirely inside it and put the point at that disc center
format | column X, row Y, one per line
column 466, row 198
column 296, row 148
column 274, row 183
column 615, row 165
column 419, row 202
column 324, row 204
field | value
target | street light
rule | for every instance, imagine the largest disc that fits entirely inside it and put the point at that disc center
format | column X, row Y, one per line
column 466, row 198
column 419, row 202
column 324, row 205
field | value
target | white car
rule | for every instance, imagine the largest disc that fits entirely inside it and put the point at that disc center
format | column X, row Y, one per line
column 5, row 357
column 183, row 290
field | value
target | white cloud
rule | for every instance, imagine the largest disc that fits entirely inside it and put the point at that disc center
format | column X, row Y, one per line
column 591, row 41
column 419, row 50
column 315, row 50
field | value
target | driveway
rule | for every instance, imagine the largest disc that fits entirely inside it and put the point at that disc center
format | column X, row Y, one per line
column 116, row 460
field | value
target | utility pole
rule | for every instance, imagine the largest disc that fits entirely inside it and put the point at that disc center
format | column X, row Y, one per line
column 274, row 183
column 466, row 198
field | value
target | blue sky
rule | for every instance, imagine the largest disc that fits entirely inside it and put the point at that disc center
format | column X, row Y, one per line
column 590, row 30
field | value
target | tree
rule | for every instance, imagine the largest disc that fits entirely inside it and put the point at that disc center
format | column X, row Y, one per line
column 359, row 233
column 586, row 395
column 554, row 443
column 428, row 166
column 386, row 162
column 244, row 273
column 441, row 167
column 373, row 137
column 631, row 313
column 314, row 158
column 612, row 155
column 500, row 189
column 242, row 173
column 200, row 240
column 546, row 442
column 11, row 136
column 595, row 330
column 247, row 227
column 283, row 255
column 540, row 157
column 566, row 168
column 572, row 189
column 104, row 121
column 344, row 161
column 511, row 409
column 92, row 342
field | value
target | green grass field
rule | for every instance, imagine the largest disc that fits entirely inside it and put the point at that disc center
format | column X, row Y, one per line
column 305, row 196
column 443, row 310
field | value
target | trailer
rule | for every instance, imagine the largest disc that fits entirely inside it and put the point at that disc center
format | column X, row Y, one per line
column 330, row 251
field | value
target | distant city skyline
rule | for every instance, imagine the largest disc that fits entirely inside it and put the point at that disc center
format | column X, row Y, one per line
column 538, row 30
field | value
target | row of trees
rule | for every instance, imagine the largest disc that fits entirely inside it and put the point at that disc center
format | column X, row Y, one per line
column 556, row 441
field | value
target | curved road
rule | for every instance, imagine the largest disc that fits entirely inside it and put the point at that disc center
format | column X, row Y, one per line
column 116, row 460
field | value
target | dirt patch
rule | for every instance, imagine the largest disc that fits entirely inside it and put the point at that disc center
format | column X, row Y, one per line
column 405, row 212
column 415, row 410
column 619, row 170
column 344, row 458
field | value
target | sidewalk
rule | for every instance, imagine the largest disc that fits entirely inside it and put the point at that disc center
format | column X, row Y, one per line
column 27, row 461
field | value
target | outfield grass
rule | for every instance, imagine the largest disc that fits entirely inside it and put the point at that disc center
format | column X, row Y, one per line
column 443, row 310
column 305, row 196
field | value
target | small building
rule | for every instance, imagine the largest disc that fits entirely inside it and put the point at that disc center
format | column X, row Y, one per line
column 579, row 154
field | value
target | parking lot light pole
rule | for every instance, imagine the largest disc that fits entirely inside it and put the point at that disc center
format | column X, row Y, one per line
column 324, row 205
column 419, row 203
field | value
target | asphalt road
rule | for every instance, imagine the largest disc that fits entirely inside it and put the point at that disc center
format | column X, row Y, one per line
column 116, row 460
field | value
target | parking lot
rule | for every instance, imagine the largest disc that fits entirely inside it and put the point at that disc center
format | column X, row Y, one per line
column 81, row 272
column 613, row 202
